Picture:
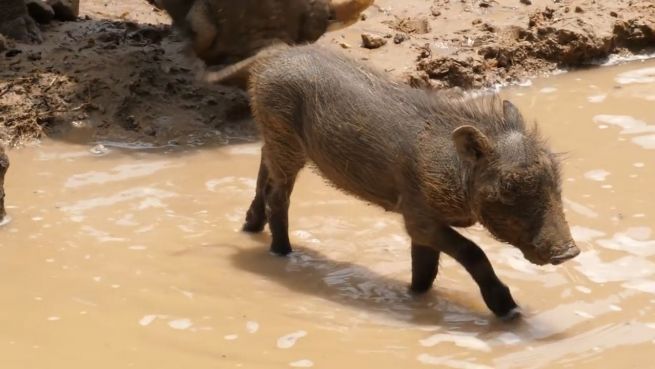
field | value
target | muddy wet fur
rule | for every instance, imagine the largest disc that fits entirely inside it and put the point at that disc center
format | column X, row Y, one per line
column 439, row 161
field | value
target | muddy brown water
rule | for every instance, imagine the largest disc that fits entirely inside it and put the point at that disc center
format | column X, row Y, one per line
column 134, row 259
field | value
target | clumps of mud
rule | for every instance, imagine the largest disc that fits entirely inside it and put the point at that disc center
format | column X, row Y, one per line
column 104, row 80
column 551, row 38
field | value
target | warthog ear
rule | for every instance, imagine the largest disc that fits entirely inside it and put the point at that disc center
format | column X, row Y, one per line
column 512, row 114
column 471, row 144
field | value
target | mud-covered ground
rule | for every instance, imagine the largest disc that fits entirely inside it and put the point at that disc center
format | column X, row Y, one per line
column 120, row 75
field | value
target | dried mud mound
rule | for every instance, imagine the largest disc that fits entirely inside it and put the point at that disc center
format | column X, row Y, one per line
column 564, row 35
column 114, row 81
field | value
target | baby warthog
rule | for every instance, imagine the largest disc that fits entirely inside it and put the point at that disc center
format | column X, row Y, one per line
column 226, row 31
column 440, row 161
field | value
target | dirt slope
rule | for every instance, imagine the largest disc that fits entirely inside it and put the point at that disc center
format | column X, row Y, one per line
column 119, row 73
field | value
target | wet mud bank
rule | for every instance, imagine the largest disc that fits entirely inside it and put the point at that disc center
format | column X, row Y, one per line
column 119, row 73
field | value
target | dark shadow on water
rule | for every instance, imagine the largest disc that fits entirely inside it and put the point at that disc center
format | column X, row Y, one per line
column 310, row 272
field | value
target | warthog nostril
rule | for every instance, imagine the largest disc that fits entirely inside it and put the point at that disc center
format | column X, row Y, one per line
column 571, row 251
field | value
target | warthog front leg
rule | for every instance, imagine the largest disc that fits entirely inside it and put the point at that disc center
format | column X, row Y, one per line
column 494, row 292
column 425, row 265
column 496, row 295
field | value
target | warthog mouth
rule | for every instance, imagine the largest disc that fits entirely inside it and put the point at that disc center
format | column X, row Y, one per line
column 570, row 251
column 535, row 258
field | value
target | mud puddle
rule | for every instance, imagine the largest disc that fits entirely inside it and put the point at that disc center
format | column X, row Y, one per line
column 134, row 259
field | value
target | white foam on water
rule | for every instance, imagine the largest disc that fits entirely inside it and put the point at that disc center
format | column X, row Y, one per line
column 290, row 339
column 61, row 156
column 597, row 98
column 583, row 234
column 6, row 220
column 54, row 318
column 583, row 289
column 639, row 233
column 117, row 174
column 638, row 164
column 187, row 294
column 231, row 337
column 247, row 149
column 598, row 175
column 509, row 338
column 445, row 361
column 548, row 90
column 101, row 236
column 252, row 326
column 304, row 363
column 642, row 285
column 584, row 314
column 180, row 324
column 580, row 209
column 615, row 59
column 127, row 195
column 623, row 269
column 634, row 240
column 147, row 320
column 643, row 75
column 231, row 183
column 629, row 125
column 647, row 142
column 606, row 337
column 461, row 339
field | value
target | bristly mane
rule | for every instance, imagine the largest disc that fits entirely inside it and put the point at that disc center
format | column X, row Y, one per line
column 484, row 112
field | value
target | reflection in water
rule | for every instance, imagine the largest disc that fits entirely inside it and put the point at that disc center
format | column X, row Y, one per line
column 135, row 259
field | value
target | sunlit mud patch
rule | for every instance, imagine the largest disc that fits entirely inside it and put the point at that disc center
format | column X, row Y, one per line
column 134, row 258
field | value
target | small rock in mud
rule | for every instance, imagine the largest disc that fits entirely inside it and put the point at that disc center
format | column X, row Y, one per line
column 400, row 37
column 3, row 43
column 65, row 10
column 578, row 9
column 371, row 41
column 526, row 2
column 419, row 25
column 363, row 17
column 484, row 4
column 99, row 150
column 40, row 11
column 613, row 14
column 434, row 11
column 488, row 27
column 424, row 52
